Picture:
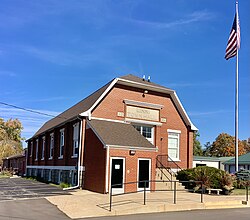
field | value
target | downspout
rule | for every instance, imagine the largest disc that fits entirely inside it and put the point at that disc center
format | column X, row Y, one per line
column 79, row 161
column 107, row 169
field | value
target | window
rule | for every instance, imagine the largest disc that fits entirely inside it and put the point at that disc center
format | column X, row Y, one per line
column 173, row 145
column 51, row 147
column 75, row 139
column 60, row 176
column 50, row 175
column 43, row 148
column 200, row 165
column 36, row 149
column 42, row 173
column 61, row 143
column 31, row 148
column 146, row 131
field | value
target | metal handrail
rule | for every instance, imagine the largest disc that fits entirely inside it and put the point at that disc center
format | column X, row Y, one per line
column 147, row 190
column 169, row 161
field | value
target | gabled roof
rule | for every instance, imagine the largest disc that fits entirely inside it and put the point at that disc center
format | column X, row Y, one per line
column 74, row 111
column 243, row 159
column 119, row 134
column 14, row 156
column 86, row 106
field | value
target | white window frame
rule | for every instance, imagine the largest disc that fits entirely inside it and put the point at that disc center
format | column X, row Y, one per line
column 60, row 176
column 62, row 143
column 51, row 146
column 42, row 173
column 75, row 139
column 151, row 140
column 37, row 143
column 31, row 148
column 50, row 175
column 43, row 148
column 174, row 134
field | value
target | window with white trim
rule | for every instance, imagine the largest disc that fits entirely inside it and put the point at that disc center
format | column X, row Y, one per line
column 60, row 176
column 36, row 149
column 61, row 143
column 50, row 175
column 51, row 146
column 173, row 145
column 31, row 148
column 75, row 139
column 43, row 148
column 146, row 131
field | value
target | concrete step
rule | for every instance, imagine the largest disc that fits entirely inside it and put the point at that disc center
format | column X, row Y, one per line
column 168, row 186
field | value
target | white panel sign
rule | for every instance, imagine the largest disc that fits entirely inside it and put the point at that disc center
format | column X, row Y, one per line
column 142, row 113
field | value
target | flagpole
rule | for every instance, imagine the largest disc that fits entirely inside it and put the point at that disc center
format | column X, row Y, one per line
column 236, row 100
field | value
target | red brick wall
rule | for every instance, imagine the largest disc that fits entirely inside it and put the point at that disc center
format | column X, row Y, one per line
column 113, row 103
column 131, row 166
column 95, row 163
column 68, row 148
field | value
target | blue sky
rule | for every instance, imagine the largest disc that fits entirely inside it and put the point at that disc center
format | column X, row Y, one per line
column 53, row 53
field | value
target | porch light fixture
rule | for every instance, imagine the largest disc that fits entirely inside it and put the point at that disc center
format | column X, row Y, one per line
column 132, row 152
column 145, row 92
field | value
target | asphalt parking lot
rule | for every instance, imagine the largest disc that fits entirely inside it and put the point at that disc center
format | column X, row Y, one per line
column 20, row 188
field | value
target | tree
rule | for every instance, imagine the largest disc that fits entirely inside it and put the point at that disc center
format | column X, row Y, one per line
column 197, row 149
column 224, row 146
column 10, row 138
column 207, row 149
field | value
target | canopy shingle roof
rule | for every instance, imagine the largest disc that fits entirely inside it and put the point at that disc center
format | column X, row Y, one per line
column 243, row 159
column 119, row 134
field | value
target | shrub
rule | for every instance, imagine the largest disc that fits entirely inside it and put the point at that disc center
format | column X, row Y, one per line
column 64, row 185
column 211, row 178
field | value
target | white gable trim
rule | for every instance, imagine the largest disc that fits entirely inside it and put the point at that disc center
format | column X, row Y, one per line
column 143, row 86
column 88, row 112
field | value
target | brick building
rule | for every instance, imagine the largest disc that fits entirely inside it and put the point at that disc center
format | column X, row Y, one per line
column 16, row 163
column 113, row 136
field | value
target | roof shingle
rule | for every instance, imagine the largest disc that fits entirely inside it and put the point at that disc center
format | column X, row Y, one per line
column 119, row 134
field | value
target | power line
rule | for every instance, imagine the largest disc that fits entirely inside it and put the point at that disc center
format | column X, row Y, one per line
column 29, row 110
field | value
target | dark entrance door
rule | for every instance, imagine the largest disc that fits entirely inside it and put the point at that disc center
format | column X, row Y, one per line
column 143, row 174
column 117, row 173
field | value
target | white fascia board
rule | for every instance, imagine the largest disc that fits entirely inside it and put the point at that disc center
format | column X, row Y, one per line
column 182, row 111
column 88, row 112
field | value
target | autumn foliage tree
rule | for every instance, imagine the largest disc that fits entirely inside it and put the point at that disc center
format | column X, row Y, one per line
column 224, row 146
column 10, row 138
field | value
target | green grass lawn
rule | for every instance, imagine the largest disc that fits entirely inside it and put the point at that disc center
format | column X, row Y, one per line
column 240, row 192
column 4, row 176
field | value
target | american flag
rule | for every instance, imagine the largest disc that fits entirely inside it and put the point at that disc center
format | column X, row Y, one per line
column 233, row 43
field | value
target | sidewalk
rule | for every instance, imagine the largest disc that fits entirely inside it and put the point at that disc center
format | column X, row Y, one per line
column 83, row 203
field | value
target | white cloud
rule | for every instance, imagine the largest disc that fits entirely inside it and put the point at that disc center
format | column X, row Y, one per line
column 31, row 122
column 209, row 113
column 189, row 19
